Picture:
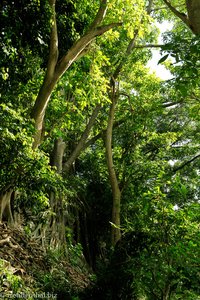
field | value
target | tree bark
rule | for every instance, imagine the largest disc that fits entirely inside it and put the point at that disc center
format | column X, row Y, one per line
column 5, row 207
column 58, row 152
column 38, row 111
column 166, row 292
column 193, row 9
column 116, row 193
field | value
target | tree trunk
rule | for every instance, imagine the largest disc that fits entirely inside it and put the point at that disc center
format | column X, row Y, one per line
column 57, row 156
column 39, row 109
column 193, row 9
column 57, row 222
column 5, row 207
column 116, row 193
column 52, row 232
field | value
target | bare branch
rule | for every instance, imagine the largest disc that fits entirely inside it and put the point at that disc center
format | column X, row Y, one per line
column 186, row 163
column 170, row 104
column 149, row 46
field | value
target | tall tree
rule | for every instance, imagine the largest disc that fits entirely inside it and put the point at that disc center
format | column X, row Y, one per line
column 56, row 67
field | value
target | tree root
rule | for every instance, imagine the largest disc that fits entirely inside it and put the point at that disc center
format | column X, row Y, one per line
column 9, row 242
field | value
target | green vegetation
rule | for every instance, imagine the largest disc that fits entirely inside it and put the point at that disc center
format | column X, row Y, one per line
column 99, row 158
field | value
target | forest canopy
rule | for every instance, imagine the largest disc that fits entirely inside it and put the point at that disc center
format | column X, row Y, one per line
column 97, row 153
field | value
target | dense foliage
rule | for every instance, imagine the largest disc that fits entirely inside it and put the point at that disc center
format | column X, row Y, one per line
column 99, row 157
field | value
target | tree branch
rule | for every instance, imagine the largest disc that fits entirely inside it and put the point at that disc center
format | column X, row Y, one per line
column 53, row 49
column 131, row 46
column 101, row 134
column 170, row 104
column 82, row 140
column 129, row 49
column 116, row 193
column 129, row 99
column 164, row 7
column 55, row 68
column 186, row 163
column 100, row 14
column 149, row 7
column 149, row 46
column 75, row 51
column 180, row 15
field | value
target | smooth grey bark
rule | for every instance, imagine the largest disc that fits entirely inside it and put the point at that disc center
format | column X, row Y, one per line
column 116, row 193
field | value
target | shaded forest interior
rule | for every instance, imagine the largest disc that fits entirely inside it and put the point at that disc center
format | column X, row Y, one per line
column 99, row 157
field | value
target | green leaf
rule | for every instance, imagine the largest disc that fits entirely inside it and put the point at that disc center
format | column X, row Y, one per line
column 163, row 59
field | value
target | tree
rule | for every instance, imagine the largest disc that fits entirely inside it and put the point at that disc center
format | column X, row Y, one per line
column 103, row 142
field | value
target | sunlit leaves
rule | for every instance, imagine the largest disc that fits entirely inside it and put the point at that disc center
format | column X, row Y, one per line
column 186, row 59
column 21, row 166
column 155, row 129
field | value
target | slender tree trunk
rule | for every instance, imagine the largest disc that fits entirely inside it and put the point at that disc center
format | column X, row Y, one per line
column 116, row 193
column 50, row 80
column 57, row 223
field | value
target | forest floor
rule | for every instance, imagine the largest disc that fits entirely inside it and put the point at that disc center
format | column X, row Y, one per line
column 26, row 269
